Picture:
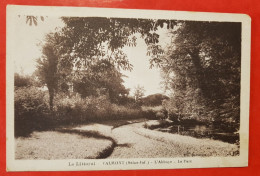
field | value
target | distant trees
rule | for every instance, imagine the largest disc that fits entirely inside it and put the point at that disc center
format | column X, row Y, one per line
column 138, row 93
column 154, row 99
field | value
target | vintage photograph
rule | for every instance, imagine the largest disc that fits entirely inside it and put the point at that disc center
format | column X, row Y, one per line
column 126, row 91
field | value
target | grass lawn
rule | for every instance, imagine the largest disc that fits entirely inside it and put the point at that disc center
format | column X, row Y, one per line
column 59, row 145
column 186, row 146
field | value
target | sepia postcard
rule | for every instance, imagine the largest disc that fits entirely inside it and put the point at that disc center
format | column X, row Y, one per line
column 122, row 89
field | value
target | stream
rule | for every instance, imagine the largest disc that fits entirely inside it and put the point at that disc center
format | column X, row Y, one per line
column 202, row 131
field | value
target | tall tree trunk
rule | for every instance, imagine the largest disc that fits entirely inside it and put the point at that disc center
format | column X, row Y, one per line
column 51, row 96
column 199, row 71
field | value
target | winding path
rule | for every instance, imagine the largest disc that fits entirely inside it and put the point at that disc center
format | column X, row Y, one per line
column 133, row 141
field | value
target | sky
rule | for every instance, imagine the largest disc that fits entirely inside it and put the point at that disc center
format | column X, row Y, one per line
column 142, row 74
column 27, row 50
column 28, row 38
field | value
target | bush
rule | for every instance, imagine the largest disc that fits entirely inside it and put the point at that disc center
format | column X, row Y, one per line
column 155, row 113
column 160, row 115
column 22, row 80
column 149, row 114
column 127, row 112
column 75, row 109
column 157, row 124
column 31, row 108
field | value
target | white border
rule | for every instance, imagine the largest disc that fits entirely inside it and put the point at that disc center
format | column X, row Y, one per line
column 62, row 165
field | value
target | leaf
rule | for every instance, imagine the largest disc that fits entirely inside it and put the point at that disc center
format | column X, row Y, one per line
column 42, row 18
column 34, row 21
column 161, row 25
column 27, row 19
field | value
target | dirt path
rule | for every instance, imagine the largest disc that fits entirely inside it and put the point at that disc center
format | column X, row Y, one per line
column 133, row 141
column 132, row 144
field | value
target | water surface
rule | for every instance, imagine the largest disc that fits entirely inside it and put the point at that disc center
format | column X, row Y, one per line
column 202, row 131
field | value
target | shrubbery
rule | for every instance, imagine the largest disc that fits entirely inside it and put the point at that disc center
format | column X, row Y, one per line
column 22, row 80
column 76, row 109
column 32, row 111
column 154, row 112
column 191, row 112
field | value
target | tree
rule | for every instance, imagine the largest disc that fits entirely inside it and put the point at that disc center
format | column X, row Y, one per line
column 30, row 19
column 85, row 41
column 47, row 66
column 203, row 67
column 101, row 78
column 138, row 93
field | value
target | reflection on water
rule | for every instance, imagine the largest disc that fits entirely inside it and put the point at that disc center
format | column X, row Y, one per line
column 202, row 131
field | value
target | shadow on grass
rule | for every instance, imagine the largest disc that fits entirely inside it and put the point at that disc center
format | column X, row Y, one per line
column 106, row 152
column 26, row 129
column 124, row 145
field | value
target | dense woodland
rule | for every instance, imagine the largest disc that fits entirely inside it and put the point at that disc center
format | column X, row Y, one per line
column 78, row 78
